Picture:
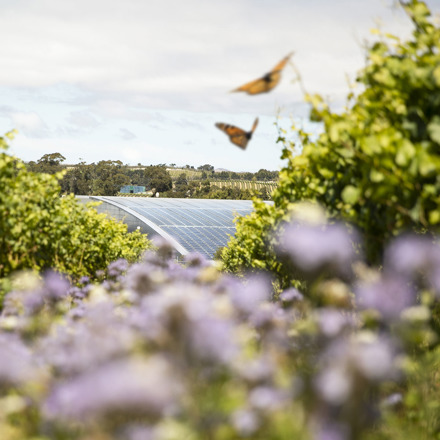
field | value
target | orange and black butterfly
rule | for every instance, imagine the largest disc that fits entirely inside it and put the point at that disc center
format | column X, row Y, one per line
column 267, row 82
column 236, row 135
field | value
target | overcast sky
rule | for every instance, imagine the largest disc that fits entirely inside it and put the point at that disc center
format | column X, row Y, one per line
column 146, row 80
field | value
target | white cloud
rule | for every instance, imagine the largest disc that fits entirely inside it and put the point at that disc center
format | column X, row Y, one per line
column 162, row 69
column 29, row 123
column 127, row 135
column 183, row 54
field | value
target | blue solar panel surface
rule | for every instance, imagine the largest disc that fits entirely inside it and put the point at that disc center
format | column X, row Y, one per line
column 200, row 225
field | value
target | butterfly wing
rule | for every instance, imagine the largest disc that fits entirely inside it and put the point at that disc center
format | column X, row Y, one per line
column 267, row 82
column 254, row 126
column 236, row 135
column 280, row 66
column 254, row 87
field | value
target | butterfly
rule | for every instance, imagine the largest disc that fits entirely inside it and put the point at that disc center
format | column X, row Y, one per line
column 267, row 82
column 236, row 135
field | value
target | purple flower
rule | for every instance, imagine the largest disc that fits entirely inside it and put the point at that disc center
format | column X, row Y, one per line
column 334, row 384
column 414, row 257
column 258, row 370
column 55, row 286
column 329, row 430
column 139, row 432
column 315, row 247
column 117, row 268
column 245, row 421
column 140, row 278
column 131, row 387
column 392, row 400
column 411, row 254
column 16, row 361
column 196, row 259
column 266, row 398
column 164, row 251
column 82, row 344
column 291, row 295
column 347, row 359
column 374, row 357
column 251, row 293
column 390, row 295
column 84, row 280
column 213, row 339
column 331, row 322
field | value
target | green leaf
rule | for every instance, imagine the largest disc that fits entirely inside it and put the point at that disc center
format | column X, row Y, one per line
column 436, row 75
column 350, row 194
column 434, row 217
column 376, row 176
column 434, row 129
column 405, row 153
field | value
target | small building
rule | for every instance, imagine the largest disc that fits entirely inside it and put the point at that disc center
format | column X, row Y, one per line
column 132, row 189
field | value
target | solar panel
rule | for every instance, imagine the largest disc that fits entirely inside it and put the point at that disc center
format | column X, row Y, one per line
column 201, row 225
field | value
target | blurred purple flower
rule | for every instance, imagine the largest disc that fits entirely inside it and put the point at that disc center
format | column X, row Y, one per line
column 213, row 339
column 84, row 280
column 16, row 361
column 329, row 430
column 139, row 432
column 131, row 387
column 416, row 257
column 96, row 338
column 347, row 359
column 409, row 254
column 245, row 421
column 291, row 295
column 389, row 295
column 266, row 398
column 117, row 268
column 250, row 294
column 334, row 383
column 392, row 400
column 374, row 357
column 314, row 247
column 56, row 286
column 258, row 370
column 227, row 284
column 164, row 251
column 139, row 279
column 196, row 259
column 331, row 322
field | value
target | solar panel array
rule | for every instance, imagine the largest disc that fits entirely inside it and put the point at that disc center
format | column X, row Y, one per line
column 201, row 225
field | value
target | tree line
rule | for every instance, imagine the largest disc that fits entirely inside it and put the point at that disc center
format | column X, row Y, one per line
column 107, row 177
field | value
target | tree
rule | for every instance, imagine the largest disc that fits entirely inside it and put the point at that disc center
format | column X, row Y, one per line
column 181, row 187
column 263, row 175
column 158, row 178
column 206, row 167
column 375, row 165
column 48, row 163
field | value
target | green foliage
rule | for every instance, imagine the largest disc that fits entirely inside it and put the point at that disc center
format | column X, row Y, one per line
column 377, row 164
column 41, row 230
column 417, row 415
column 48, row 163
column 102, row 179
column 158, row 178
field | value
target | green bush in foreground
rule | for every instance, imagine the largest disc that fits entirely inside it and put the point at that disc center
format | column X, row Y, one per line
column 376, row 165
column 41, row 230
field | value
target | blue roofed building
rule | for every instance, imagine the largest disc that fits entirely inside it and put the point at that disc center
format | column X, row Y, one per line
column 132, row 189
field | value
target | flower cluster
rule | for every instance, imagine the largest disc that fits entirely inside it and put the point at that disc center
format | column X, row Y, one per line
column 161, row 350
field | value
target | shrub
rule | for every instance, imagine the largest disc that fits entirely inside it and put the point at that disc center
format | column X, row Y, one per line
column 41, row 230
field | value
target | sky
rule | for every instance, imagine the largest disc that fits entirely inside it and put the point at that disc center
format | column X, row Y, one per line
column 144, row 81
